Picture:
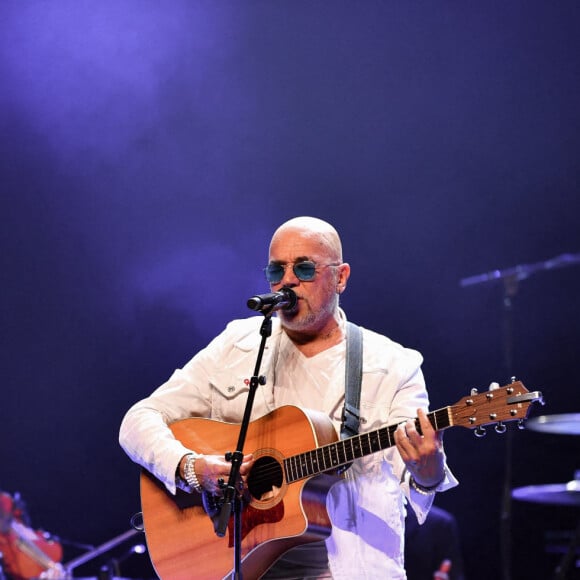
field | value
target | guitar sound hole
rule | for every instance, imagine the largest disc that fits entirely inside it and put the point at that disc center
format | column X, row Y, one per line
column 265, row 479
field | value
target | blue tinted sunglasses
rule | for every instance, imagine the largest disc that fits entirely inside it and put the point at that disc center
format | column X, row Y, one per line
column 304, row 271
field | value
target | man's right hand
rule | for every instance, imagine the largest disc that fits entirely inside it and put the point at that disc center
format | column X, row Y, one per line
column 211, row 468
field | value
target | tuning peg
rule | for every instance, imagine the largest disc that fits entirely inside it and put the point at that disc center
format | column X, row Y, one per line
column 480, row 431
column 500, row 428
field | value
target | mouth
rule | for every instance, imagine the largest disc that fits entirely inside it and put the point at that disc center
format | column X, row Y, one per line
column 292, row 298
column 294, row 308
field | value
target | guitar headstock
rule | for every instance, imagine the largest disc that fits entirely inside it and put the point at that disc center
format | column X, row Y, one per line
column 494, row 407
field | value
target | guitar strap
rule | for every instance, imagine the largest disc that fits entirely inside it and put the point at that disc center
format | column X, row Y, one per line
column 353, row 379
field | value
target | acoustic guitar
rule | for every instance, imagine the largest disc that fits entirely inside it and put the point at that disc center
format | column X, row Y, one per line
column 296, row 456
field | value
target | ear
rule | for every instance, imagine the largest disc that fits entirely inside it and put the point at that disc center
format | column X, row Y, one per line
column 342, row 278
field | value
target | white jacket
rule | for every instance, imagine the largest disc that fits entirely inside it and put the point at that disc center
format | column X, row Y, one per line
column 367, row 508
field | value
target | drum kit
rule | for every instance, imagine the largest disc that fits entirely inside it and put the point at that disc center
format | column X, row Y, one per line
column 556, row 494
column 565, row 495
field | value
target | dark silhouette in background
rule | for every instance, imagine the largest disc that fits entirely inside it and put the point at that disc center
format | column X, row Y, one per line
column 430, row 545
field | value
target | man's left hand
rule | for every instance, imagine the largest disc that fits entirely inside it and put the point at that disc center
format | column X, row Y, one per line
column 422, row 453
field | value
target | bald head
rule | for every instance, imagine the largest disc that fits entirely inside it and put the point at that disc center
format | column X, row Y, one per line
column 317, row 229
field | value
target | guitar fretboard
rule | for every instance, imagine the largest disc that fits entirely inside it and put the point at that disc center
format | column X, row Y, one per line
column 342, row 452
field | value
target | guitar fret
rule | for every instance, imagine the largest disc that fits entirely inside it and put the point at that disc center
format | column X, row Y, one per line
column 366, row 444
column 301, row 470
column 320, row 460
column 440, row 418
column 333, row 457
column 325, row 458
column 375, row 443
column 385, row 438
column 341, row 453
column 294, row 468
column 329, row 456
column 350, row 456
column 309, row 463
column 356, row 446
column 391, row 433
column 315, row 467
column 338, row 447
column 297, row 466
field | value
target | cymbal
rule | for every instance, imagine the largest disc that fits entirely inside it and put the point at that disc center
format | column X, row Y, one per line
column 565, row 424
column 551, row 494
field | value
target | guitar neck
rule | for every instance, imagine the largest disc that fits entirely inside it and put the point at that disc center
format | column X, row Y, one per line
column 335, row 455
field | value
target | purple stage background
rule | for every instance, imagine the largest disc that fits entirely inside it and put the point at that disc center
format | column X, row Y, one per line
column 148, row 151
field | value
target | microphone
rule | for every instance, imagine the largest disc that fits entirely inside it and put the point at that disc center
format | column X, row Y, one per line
column 285, row 299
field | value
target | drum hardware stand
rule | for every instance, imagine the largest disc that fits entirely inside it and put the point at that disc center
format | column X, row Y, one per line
column 511, row 278
column 511, row 282
column 561, row 572
column 102, row 549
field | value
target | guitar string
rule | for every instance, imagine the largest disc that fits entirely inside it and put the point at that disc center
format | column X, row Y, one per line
column 308, row 463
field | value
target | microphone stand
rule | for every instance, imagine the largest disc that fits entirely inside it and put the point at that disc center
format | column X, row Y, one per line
column 232, row 502
column 511, row 278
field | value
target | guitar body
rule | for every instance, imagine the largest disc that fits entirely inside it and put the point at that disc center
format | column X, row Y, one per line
column 276, row 516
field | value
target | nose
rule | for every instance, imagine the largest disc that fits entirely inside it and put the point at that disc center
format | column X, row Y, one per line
column 289, row 278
